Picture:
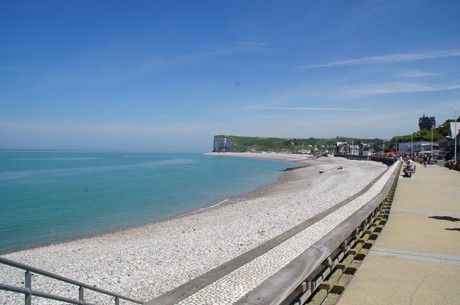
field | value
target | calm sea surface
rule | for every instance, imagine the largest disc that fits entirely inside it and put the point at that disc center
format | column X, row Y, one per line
column 47, row 197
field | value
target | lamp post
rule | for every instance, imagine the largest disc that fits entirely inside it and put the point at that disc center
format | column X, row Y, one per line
column 412, row 145
column 432, row 127
column 455, row 141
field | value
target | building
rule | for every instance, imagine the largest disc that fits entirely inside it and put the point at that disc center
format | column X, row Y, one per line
column 344, row 148
column 452, row 148
column 454, row 129
column 370, row 149
column 426, row 123
column 447, row 144
column 416, row 148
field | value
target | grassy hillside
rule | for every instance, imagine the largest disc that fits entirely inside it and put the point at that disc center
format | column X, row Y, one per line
column 292, row 145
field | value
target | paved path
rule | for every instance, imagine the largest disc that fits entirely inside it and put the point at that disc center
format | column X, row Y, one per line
column 416, row 259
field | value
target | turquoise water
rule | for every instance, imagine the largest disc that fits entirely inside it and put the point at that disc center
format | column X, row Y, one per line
column 47, row 197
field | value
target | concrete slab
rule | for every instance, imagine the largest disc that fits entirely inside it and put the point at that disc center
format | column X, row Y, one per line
column 396, row 281
column 421, row 232
column 416, row 259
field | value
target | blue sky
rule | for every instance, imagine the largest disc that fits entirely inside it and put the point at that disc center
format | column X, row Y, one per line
column 167, row 76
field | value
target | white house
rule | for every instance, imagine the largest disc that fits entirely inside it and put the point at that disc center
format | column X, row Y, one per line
column 420, row 147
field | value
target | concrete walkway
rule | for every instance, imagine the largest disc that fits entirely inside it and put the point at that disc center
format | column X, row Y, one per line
column 416, row 259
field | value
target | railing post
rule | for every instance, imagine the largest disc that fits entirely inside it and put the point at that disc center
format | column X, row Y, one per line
column 81, row 294
column 28, row 293
column 28, row 286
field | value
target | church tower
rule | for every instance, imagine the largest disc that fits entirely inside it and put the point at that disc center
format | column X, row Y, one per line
column 426, row 123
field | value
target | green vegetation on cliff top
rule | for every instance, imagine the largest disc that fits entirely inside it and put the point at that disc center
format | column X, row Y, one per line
column 292, row 145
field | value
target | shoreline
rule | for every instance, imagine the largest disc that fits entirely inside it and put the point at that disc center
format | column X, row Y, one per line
column 149, row 260
column 280, row 157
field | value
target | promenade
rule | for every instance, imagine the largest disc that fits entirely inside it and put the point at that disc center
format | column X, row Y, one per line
column 416, row 259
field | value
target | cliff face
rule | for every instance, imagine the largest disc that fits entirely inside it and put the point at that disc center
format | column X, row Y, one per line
column 223, row 144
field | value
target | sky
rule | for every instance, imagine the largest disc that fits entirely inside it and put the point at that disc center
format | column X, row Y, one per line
column 166, row 76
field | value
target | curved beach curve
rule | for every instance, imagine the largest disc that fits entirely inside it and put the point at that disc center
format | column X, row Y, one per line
column 147, row 261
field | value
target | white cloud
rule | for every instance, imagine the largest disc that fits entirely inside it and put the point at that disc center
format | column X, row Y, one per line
column 414, row 74
column 388, row 59
column 395, row 87
column 310, row 108
column 251, row 45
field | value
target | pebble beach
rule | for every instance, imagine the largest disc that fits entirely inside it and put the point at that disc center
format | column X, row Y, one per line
column 146, row 261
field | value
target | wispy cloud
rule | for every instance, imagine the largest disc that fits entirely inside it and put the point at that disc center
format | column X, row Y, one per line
column 387, row 59
column 394, row 87
column 372, row 8
column 310, row 108
column 251, row 45
column 415, row 74
column 121, row 62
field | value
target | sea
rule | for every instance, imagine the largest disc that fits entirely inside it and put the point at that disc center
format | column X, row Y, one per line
column 52, row 196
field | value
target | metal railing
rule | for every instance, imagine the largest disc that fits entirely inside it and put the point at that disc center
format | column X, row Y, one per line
column 323, row 281
column 28, row 291
column 326, row 282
